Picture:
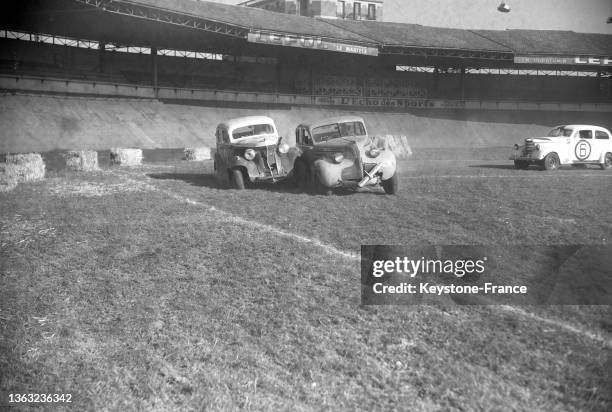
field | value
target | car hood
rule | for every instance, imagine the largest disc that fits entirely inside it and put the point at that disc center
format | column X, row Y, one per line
column 547, row 139
column 257, row 141
column 363, row 144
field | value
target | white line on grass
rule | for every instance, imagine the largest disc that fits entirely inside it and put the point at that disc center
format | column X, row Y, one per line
column 356, row 257
column 558, row 323
column 262, row 226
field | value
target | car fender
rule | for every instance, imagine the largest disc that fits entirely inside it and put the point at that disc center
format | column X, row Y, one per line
column 389, row 165
column 330, row 174
column 602, row 155
column 239, row 162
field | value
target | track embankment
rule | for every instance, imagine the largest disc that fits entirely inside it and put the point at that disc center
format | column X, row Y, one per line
column 46, row 122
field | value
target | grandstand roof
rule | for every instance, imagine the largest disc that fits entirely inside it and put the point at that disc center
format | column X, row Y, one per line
column 202, row 25
column 415, row 35
column 551, row 42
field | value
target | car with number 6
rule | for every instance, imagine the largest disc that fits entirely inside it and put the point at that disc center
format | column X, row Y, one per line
column 338, row 152
column 574, row 144
column 249, row 149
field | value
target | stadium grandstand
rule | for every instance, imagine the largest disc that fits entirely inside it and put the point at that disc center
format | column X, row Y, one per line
column 211, row 53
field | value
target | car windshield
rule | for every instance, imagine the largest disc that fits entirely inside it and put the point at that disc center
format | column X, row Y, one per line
column 560, row 131
column 336, row 130
column 252, row 130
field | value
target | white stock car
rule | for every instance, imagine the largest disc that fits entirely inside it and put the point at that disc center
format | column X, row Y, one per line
column 574, row 144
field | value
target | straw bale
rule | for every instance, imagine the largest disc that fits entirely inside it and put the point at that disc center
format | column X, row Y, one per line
column 81, row 160
column 399, row 145
column 8, row 177
column 126, row 157
column 26, row 167
column 197, row 153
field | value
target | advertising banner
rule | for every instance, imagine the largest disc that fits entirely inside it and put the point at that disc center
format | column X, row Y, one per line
column 309, row 42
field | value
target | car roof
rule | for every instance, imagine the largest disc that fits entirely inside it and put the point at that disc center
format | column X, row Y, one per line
column 582, row 126
column 330, row 120
column 246, row 121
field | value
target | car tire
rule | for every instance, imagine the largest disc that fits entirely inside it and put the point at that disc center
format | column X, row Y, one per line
column 391, row 185
column 237, row 179
column 521, row 164
column 551, row 162
column 607, row 164
column 320, row 188
column 301, row 176
column 217, row 173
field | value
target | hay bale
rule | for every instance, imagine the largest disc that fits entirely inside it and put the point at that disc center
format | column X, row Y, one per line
column 26, row 167
column 81, row 160
column 399, row 145
column 8, row 177
column 125, row 157
column 197, row 153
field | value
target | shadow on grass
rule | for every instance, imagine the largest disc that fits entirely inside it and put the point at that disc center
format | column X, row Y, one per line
column 504, row 167
column 195, row 179
column 284, row 186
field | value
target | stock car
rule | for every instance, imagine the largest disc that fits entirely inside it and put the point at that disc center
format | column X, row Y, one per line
column 575, row 144
column 249, row 149
column 338, row 152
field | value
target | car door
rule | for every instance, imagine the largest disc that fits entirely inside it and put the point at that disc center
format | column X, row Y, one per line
column 601, row 144
column 583, row 149
column 303, row 139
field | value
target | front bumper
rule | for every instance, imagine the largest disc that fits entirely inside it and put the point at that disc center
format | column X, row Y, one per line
column 532, row 157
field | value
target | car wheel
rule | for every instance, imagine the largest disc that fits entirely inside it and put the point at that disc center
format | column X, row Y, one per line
column 391, row 185
column 237, row 179
column 551, row 162
column 521, row 164
column 218, row 176
column 301, row 176
column 607, row 164
column 320, row 188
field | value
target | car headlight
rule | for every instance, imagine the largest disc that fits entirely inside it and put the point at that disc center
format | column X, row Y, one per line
column 249, row 154
column 338, row 157
column 373, row 152
column 283, row 148
column 537, row 147
column 516, row 147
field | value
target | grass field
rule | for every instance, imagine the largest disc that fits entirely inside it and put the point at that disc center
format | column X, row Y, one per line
column 151, row 288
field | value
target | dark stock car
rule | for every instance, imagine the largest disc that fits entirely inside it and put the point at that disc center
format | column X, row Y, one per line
column 338, row 152
column 249, row 149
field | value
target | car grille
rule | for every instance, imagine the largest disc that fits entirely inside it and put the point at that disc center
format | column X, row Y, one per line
column 529, row 148
column 269, row 161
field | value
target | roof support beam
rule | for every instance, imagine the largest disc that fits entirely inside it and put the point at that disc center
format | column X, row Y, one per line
column 168, row 17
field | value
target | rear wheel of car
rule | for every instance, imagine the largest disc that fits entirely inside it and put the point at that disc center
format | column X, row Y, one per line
column 391, row 185
column 521, row 164
column 551, row 162
column 607, row 164
column 301, row 175
column 237, row 179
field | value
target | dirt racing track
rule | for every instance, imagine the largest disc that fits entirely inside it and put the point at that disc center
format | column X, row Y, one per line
column 155, row 280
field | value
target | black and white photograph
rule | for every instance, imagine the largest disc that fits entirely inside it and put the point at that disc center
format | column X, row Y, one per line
column 306, row 205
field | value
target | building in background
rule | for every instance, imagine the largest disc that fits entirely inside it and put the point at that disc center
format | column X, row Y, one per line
column 329, row 9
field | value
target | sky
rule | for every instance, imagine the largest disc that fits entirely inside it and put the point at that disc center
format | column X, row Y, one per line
column 587, row 16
